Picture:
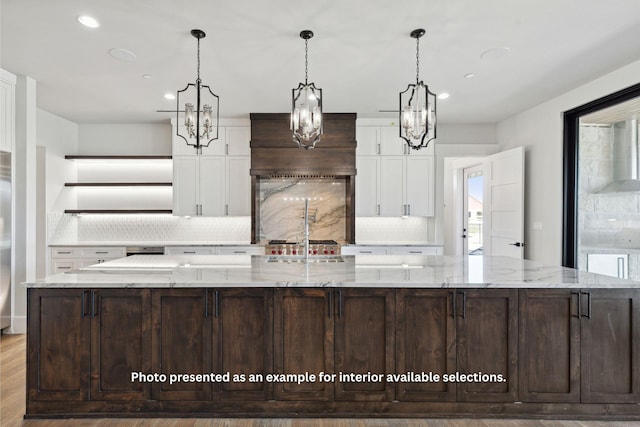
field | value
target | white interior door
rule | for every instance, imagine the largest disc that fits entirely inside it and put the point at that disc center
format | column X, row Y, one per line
column 504, row 204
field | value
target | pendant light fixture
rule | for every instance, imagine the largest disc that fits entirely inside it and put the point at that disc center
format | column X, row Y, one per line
column 201, row 114
column 417, row 107
column 306, row 106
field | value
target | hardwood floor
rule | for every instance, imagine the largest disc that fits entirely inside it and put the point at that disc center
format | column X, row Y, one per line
column 12, row 401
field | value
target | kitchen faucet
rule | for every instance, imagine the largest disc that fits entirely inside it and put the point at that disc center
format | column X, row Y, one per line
column 306, row 227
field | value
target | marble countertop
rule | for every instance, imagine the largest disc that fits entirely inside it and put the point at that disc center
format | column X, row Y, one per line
column 384, row 271
column 152, row 243
column 218, row 243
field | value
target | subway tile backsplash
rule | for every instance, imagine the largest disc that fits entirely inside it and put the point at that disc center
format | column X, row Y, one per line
column 73, row 229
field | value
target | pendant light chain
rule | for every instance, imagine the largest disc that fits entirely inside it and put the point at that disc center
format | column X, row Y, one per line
column 306, row 60
column 198, row 59
column 417, row 60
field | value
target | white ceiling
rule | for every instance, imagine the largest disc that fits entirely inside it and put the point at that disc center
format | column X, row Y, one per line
column 361, row 55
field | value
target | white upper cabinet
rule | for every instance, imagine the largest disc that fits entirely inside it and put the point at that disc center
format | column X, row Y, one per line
column 392, row 183
column 238, row 186
column 367, row 139
column 390, row 142
column 392, row 180
column 7, row 110
column 238, row 139
column 419, row 187
column 367, row 187
column 216, row 182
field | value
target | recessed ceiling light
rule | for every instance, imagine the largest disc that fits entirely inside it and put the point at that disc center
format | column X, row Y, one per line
column 146, row 76
column 88, row 21
column 123, row 55
column 169, row 96
column 494, row 53
column 469, row 75
column 443, row 95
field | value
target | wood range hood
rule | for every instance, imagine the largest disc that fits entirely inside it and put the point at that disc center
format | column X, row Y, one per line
column 274, row 154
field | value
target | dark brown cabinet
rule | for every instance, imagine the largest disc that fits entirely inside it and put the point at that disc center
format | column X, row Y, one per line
column 425, row 342
column 560, row 351
column 90, row 341
column 610, row 346
column 242, row 340
column 181, row 341
column 549, row 348
column 58, row 345
column 364, row 333
column 120, row 343
column 303, row 341
column 487, row 332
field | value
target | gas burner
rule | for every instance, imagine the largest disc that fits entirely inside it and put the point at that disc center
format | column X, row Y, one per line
column 316, row 247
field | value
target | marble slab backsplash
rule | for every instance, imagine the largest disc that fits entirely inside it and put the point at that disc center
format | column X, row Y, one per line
column 281, row 204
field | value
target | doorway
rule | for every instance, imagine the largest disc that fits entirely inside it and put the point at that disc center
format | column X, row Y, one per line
column 601, row 182
column 473, row 187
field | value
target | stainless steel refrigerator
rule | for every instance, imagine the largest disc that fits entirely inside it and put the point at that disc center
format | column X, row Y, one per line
column 5, row 239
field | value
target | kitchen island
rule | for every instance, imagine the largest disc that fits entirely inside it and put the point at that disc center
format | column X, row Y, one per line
column 385, row 336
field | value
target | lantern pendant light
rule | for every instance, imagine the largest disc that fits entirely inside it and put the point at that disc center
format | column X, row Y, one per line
column 417, row 107
column 201, row 114
column 306, row 106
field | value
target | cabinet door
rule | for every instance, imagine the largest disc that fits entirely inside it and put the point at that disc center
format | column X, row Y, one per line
column 180, row 147
column 58, row 346
column 549, row 364
column 487, row 333
column 367, row 186
column 7, row 112
column 364, row 328
column 185, row 185
column 419, row 185
column 390, row 142
column 212, row 185
column 367, row 140
column 238, row 186
column 426, row 342
column 120, row 343
column 610, row 346
column 238, row 141
column 392, row 182
column 181, row 341
column 243, row 340
column 303, row 341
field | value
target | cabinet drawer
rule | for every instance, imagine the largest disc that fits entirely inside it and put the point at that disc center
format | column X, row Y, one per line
column 102, row 253
column 417, row 250
column 64, row 252
column 241, row 250
column 363, row 250
column 63, row 266
column 189, row 250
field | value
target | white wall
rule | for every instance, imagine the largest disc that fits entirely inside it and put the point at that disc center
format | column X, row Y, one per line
column 539, row 130
column 59, row 137
column 124, row 139
column 25, row 207
column 455, row 141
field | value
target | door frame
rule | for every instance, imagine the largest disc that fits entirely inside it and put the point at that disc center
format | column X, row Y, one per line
column 465, row 202
column 459, row 164
column 571, row 135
